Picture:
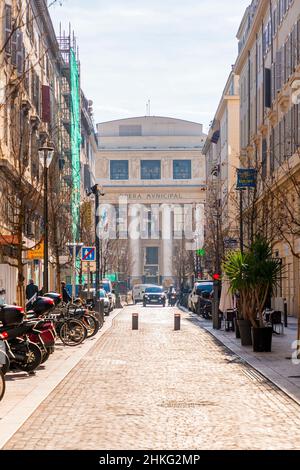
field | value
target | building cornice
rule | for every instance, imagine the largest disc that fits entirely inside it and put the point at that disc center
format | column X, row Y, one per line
column 256, row 24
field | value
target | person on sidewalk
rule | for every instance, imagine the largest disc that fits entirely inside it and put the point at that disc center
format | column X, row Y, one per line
column 31, row 290
column 65, row 294
column 2, row 296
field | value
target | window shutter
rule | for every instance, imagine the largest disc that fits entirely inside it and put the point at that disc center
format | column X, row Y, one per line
column 7, row 28
column 298, row 42
column 46, row 108
column 282, row 80
column 20, row 53
column 278, row 70
column 14, row 48
column 267, row 88
column 273, row 80
column 295, row 49
column 290, row 55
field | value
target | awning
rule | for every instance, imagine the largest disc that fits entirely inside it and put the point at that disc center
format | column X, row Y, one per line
column 226, row 300
column 8, row 240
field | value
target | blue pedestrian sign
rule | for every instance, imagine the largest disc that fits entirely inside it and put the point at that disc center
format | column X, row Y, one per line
column 88, row 254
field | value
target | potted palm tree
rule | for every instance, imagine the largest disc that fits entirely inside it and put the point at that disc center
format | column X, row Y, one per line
column 254, row 275
column 236, row 268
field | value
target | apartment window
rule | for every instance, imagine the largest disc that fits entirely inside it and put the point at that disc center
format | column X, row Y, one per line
column 119, row 170
column 152, row 256
column 182, row 169
column 130, row 131
column 150, row 169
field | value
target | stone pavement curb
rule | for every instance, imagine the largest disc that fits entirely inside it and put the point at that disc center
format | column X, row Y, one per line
column 291, row 390
column 11, row 422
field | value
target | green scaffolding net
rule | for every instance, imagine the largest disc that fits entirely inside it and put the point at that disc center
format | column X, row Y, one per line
column 75, row 145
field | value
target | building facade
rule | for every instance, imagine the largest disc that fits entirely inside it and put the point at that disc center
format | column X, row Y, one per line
column 222, row 152
column 268, row 64
column 40, row 105
column 153, row 170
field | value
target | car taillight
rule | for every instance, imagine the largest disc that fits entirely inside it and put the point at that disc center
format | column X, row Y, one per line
column 3, row 335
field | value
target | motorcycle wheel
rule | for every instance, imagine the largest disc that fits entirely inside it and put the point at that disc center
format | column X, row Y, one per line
column 2, row 385
column 46, row 355
column 4, row 368
column 73, row 332
column 34, row 358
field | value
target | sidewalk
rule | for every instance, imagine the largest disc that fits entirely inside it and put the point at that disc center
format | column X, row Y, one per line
column 160, row 389
column 276, row 366
column 25, row 393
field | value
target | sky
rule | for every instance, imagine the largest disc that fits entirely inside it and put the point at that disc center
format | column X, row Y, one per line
column 176, row 53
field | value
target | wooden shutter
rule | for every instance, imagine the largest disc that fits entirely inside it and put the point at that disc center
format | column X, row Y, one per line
column 46, row 108
column 267, row 90
column 7, row 28
column 278, row 68
column 20, row 53
column 14, row 48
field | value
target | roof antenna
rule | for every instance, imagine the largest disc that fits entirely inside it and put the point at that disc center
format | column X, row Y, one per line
column 148, row 108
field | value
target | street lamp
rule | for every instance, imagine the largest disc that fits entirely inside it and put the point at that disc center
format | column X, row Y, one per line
column 97, row 193
column 46, row 155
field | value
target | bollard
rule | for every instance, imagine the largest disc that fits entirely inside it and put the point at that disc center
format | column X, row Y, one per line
column 285, row 311
column 177, row 319
column 99, row 310
column 135, row 321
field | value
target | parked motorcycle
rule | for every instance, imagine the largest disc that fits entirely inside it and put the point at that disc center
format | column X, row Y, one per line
column 20, row 352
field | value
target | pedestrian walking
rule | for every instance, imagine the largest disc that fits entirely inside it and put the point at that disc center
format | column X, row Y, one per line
column 65, row 294
column 2, row 296
column 31, row 290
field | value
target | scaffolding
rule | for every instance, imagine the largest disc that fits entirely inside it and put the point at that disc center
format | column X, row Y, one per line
column 71, row 123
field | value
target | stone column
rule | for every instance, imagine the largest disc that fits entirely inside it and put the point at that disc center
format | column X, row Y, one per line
column 167, row 245
column 135, row 244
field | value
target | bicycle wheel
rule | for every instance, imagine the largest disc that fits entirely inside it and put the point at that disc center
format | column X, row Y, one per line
column 73, row 332
column 2, row 385
column 92, row 325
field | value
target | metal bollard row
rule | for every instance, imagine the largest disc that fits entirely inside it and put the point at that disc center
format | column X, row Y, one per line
column 177, row 321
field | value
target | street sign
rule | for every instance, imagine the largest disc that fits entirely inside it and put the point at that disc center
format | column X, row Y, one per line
column 231, row 242
column 71, row 248
column 37, row 252
column 246, row 178
column 201, row 252
column 88, row 254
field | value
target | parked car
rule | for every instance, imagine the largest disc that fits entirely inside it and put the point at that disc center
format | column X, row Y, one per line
column 138, row 292
column 154, row 295
column 103, row 295
column 197, row 292
column 107, row 286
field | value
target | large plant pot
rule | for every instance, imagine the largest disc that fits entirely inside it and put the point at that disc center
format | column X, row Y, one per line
column 236, row 329
column 245, row 332
column 262, row 339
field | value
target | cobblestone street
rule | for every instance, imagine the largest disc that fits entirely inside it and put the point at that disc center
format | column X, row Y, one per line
column 160, row 389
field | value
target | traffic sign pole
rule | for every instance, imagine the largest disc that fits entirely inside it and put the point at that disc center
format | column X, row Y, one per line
column 74, row 273
column 89, row 280
column 74, row 250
